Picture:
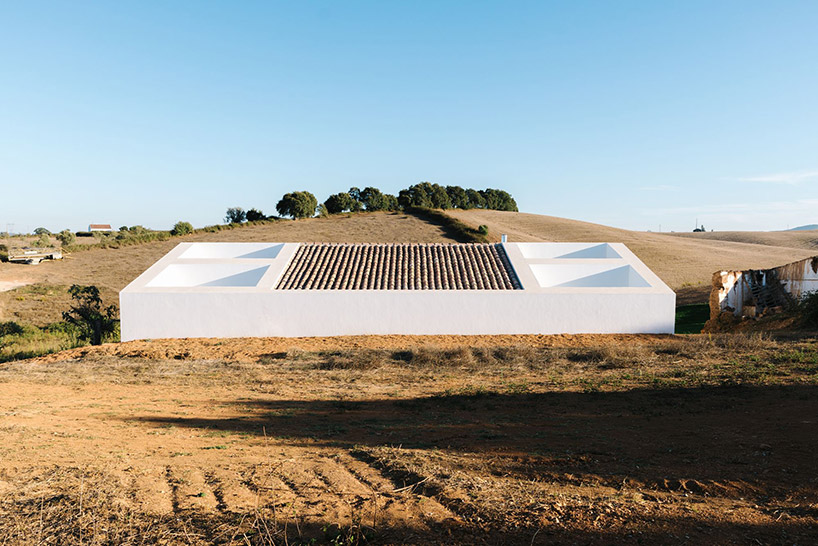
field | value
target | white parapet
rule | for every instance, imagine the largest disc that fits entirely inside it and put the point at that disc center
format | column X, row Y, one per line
column 236, row 290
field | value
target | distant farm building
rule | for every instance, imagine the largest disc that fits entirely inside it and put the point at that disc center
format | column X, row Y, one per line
column 762, row 291
column 99, row 227
column 333, row 289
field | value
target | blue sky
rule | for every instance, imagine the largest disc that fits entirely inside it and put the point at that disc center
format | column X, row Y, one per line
column 632, row 114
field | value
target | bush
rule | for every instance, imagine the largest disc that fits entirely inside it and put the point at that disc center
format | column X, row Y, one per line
column 458, row 197
column 499, row 200
column 65, row 237
column 373, row 200
column 41, row 231
column 87, row 314
column 297, row 204
column 10, row 328
column 808, row 309
column 255, row 215
column 235, row 215
column 474, row 200
column 339, row 202
column 181, row 228
column 43, row 241
column 483, row 229
column 425, row 195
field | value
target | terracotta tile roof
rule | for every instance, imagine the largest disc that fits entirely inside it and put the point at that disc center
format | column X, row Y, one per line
column 417, row 266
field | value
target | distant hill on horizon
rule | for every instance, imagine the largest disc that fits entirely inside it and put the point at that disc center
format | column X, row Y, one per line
column 808, row 227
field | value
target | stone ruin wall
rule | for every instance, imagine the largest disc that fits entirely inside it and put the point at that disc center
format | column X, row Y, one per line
column 731, row 290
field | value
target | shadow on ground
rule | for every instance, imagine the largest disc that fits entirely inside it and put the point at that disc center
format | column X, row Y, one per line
column 705, row 440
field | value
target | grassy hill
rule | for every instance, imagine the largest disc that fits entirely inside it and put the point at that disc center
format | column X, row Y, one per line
column 111, row 269
column 805, row 240
column 685, row 262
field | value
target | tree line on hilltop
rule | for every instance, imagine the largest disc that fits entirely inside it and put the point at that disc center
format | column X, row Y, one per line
column 303, row 204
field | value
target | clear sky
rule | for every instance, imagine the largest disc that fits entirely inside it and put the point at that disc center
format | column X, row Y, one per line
column 632, row 114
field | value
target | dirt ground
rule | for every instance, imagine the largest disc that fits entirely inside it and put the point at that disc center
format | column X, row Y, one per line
column 685, row 262
column 516, row 440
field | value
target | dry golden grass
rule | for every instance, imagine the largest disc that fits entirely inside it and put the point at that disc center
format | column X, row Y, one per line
column 806, row 240
column 685, row 263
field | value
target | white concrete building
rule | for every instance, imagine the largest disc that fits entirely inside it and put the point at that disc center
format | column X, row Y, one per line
column 333, row 289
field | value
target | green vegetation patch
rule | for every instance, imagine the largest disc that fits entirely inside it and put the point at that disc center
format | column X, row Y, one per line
column 18, row 341
column 690, row 319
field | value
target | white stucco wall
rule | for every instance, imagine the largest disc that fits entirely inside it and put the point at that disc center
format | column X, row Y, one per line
column 567, row 288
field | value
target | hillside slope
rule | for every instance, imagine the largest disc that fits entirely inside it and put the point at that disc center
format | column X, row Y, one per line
column 686, row 264
column 112, row 269
column 805, row 240
column 684, row 261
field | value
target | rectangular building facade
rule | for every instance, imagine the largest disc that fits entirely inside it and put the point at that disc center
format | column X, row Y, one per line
column 334, row 289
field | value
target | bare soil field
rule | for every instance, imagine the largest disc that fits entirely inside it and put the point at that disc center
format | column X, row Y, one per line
column 111, row 269
column 495, row 440
column 685, row 262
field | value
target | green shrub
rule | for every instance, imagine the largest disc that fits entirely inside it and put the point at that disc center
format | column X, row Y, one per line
column 181, row 228
column 255, row 215
column 235, row 215
column 89, row 316
column 41, row 231
column 339, row 202
column 43, row 241
column 483, row 229
column 10, row 328
column 808, row 309
column 65, row 237
column 297, row 204
column 19, row 341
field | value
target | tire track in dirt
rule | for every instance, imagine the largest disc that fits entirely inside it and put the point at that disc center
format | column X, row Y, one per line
column 307, row 487
column 152, row 492
column 431, row 501
column 268, row 489
column 366, row 474
column 191, row 491
column 231, row 495
column 339, row 480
